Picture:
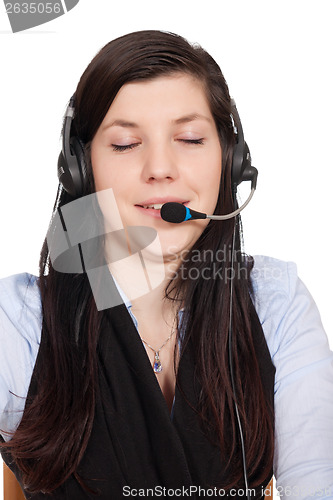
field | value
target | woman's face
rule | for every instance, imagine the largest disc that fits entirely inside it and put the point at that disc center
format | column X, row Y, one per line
column 157, row 143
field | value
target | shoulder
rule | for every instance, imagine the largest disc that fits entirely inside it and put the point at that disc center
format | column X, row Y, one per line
column 20, row 306
column 273, row 276
column 287, row 311
column 20, row 331
column 274, row 283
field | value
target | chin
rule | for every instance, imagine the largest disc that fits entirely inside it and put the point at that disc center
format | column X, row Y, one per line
column 177, row 246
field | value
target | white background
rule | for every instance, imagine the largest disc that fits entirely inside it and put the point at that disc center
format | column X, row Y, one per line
column 277, row 59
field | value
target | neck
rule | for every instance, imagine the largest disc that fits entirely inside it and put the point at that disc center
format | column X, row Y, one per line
column 144, row 284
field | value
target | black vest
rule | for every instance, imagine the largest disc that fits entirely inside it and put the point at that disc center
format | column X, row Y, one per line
column 135, row 444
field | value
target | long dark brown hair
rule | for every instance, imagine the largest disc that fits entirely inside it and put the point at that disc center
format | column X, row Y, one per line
column 56, row 425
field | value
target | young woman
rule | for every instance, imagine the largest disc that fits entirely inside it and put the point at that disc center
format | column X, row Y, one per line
column 119, row 380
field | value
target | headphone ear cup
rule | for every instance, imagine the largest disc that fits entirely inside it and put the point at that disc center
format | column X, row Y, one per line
column 237, row 161
column 78, row 149
column 72, row 168
column 241, row 162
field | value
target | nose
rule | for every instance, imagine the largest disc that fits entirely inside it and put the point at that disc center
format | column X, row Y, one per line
column 160, row 164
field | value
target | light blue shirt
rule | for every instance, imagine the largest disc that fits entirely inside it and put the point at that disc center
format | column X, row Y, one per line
column 303, row 393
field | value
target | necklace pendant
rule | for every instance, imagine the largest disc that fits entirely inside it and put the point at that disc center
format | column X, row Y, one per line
column 157, row 364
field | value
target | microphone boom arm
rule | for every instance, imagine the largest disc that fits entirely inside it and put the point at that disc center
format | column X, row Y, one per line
column 236, row 212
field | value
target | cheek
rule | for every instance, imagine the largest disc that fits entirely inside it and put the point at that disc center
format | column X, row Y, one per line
column 210, row 175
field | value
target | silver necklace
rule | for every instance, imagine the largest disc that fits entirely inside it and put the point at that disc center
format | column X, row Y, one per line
column 157, row 365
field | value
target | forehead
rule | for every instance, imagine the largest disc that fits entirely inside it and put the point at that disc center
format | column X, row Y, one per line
column 169, row 97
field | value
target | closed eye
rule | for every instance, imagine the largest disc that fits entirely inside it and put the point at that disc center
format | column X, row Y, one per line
column 126, row 147
column 192, row 141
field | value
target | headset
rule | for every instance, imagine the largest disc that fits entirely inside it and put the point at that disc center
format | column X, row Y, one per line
column 72, row 175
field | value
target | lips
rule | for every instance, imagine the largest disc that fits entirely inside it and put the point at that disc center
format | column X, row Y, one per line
column 156, row 203
column 146, row 206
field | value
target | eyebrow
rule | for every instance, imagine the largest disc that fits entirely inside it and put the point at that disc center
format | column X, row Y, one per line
column 191, row 118
column 121, row 123
column 183, row 119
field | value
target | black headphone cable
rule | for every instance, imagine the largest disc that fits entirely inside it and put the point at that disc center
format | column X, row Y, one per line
column 231, row 362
